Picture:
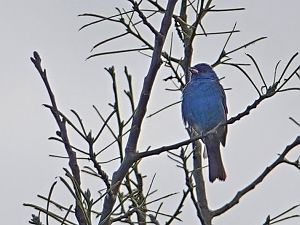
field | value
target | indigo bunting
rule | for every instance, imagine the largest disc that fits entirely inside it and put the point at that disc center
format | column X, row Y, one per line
column 204, row 109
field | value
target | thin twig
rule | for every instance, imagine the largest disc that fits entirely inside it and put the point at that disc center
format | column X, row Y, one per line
column 258, row 180
column 118, row 51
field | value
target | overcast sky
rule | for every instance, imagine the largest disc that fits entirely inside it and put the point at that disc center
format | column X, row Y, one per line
column 51, row 28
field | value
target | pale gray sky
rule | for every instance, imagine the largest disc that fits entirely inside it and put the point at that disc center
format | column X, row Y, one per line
column 51, row 28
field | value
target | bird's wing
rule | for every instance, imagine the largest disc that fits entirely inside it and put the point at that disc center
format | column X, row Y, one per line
column 223, row 98
column 222, row 131
column 184, row 106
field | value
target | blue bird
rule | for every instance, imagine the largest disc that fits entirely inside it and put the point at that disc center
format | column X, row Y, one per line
column 203, row 109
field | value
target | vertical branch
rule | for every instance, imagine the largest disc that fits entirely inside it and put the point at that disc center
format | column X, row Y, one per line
column 188, row 48
column 129, row 93
column 149, row 79
column 130, row 150
column 205, row 215
column 112, row 73
column 141, row 214
column 36, row 60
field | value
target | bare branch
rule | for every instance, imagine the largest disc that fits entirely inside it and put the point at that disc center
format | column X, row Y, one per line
column 287, row 66
column 257, row 68
column 48, row 201
column 292, row 119
column 118, row 51
column 105, row 122
column 157, row 151
column 178, row 210
column 139, row 114
column 36, row 60
column 143, row 17
column 277, row 219
column 80, row 121
column 52, row 215
column 92, row 155
column 162, row 109
column 218, row 32
column 109, row 40
column 258, row 180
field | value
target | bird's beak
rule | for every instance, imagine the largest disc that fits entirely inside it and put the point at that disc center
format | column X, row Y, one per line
column 193, row 70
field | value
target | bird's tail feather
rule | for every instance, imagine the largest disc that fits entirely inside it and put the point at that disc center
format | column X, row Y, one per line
column 216, row 167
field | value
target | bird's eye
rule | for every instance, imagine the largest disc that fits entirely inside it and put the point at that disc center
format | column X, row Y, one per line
column 193, row 70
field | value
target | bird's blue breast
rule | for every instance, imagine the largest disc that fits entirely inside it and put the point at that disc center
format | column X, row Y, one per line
column 202, row 104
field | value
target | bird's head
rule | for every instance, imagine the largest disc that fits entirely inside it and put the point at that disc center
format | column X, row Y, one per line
column 203, row 71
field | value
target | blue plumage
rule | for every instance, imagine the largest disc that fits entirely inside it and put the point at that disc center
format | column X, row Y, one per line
column 204, row 108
